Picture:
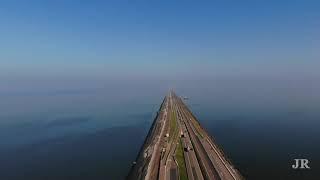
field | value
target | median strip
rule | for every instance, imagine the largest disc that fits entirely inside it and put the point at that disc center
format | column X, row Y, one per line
column 181, row 163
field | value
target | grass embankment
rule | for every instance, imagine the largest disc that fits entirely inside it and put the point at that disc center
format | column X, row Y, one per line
column 196, row 124
column 173, row 125
column 181, row 163
column 198, row 128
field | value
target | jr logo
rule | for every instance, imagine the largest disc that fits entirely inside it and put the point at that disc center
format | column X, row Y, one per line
column 301, row 164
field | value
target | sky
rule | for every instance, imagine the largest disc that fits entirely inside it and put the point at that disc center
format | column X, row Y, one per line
column 159, row 39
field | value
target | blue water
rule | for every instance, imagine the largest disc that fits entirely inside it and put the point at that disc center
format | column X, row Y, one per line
column 94, row 129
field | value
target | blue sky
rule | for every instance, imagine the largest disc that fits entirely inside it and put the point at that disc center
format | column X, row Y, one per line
column 159, row 38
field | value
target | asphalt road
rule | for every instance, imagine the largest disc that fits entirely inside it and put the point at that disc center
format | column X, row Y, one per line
column 202, row 158
column 215, row 165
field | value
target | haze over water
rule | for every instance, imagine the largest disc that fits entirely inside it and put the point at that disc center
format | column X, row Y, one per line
column 75, row 132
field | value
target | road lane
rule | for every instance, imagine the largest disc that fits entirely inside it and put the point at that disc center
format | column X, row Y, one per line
column 221, row 166
column 202, row 158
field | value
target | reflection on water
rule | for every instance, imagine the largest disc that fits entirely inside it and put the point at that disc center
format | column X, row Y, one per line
column 105, row 154
column 95, row 133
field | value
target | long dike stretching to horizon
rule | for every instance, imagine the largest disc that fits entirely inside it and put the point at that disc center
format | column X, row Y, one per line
column 178, row 147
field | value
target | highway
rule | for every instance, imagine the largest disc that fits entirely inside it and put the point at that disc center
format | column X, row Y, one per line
column 177, row 147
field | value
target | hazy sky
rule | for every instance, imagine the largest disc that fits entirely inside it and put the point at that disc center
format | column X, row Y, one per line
column 159, row 38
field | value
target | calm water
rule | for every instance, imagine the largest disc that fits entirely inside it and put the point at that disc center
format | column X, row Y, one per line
column 54, row 130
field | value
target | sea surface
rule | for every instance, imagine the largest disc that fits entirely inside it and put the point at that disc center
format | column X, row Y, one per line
column 54, row 129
